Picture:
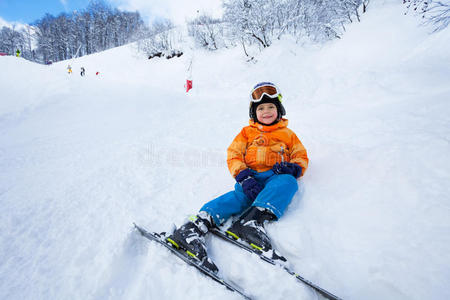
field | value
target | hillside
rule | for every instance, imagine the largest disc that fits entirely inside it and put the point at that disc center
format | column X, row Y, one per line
column 82, row 158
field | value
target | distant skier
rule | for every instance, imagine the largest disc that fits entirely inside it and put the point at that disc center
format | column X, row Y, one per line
column 69, row 69
column 83, row 71
column 18, row 53
column 265, row 158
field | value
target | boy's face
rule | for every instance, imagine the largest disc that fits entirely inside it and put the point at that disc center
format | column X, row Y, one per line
column 266, row 113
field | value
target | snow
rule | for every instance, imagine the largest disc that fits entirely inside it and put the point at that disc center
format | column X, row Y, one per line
column 82, row 158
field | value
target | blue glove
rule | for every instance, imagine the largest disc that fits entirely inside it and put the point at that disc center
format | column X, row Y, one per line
column 249, row 184
column 287, row 168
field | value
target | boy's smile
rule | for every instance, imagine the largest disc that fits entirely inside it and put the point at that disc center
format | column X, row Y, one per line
column 266, row 113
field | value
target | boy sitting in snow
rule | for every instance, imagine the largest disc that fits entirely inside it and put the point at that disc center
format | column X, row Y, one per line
column 266, row 158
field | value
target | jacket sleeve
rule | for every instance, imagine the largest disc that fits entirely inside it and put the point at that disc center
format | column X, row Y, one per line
column 236, row 153
column 298, row 153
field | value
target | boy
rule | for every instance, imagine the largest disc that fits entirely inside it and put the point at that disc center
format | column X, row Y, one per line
column 265, row 158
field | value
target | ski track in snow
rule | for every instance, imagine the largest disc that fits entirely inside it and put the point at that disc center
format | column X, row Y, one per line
column 82, row 158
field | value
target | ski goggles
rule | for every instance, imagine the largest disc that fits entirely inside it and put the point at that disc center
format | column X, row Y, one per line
column 265, row 88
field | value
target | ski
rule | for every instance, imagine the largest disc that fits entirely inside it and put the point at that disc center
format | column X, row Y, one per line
column 278, row 260
column 183, row 255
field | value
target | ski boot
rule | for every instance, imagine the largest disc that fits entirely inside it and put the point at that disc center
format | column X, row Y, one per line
column 250, row 228
column 191, row 238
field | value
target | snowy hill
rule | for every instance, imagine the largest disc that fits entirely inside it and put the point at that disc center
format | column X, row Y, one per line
column 82, row 158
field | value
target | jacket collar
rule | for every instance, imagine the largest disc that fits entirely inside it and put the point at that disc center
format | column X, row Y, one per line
column 281, row 124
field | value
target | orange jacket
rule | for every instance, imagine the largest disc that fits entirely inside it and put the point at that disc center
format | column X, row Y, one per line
column 259, row 147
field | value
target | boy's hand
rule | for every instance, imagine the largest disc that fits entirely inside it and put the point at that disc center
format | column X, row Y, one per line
column 287, row 168
column 249, row 184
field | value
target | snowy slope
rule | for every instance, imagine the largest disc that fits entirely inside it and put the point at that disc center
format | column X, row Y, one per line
column 81, row 159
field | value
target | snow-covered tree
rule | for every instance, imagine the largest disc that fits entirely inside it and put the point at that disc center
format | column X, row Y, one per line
column 262, row 21
column 11, row 40
column 251, row 20
column 207, row 32
column 434, row 13
column 97, row 28
column 28, row 38
column 162, row 38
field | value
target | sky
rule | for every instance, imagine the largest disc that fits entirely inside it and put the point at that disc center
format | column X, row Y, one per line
column 28, row 11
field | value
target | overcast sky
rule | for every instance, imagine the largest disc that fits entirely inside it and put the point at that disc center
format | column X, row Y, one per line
column 27, row 11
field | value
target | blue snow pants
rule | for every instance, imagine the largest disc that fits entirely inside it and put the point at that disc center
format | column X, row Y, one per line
column 276, row 196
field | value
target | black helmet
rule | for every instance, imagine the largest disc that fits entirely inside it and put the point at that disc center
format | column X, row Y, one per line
column 265, row 92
